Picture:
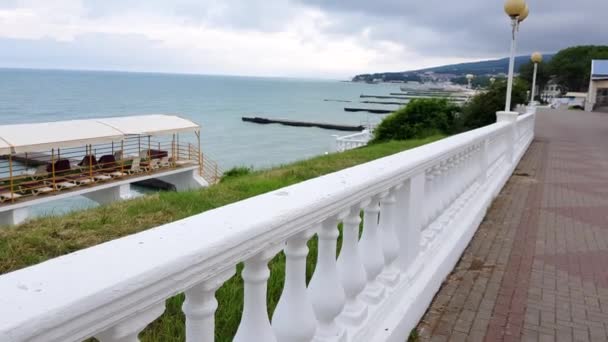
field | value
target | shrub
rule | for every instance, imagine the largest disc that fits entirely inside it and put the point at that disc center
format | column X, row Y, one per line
column 419, row 119
column 237, row 172
column 481, row 109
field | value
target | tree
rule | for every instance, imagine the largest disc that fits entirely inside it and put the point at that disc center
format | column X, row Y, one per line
column 572, row 66
column 542, row 75
column 481, row 109
column 419, row 119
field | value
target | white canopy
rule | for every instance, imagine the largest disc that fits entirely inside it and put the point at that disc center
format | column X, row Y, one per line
column 36, row 137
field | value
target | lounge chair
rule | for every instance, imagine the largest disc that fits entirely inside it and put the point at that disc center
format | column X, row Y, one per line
column 40, row 172
column 61, row 166
column 164, row 162
column 135, row 166
column 81, row 179
column 65, row 183
column 153, row 164
column 107, row 164
column 5, row 194
column 86, row 160
column 35, row 187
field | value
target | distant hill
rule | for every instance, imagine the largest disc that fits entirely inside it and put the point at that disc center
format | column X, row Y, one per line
column 489, row 67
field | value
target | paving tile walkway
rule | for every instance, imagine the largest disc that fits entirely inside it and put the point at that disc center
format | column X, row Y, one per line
column 537, row 268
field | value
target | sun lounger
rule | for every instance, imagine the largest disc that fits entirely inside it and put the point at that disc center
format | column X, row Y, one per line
column 81, row 179
column 151, row 165
column 35, row 187
column 164, row 162
column 40, row 172
column 65, row 183
column 135, row 166
column 102, row 177
column 5, row 194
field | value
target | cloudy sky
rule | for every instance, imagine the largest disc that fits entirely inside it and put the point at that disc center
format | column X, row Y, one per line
column 301, row 38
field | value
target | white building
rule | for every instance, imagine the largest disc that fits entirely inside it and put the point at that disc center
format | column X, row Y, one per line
column 598, row 85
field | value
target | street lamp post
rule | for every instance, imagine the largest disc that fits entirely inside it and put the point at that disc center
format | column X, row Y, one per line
column 518, row 11
column 536, row 58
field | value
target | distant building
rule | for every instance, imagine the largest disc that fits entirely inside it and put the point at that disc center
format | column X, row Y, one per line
column 551, row 90
column 598, row 85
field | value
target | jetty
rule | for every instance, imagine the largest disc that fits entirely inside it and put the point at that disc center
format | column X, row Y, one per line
column 386, row 103
column 336, row 100
column 296, row 123
column 364, row 96
column 369, row 110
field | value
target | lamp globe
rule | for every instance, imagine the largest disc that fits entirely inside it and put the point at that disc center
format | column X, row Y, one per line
column 536, row 57
column 514, row 8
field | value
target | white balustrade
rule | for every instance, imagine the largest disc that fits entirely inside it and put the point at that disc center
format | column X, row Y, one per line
column 294, row 319
column 200, row 305
column 352, row 271
column 128, row 329
column 254, row 321
column 325, row 287
column 420, row 209
column 372, row 255
column 390, row 242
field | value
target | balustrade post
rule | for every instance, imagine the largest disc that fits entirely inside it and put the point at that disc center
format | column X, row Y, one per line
column 390, row 241
column 371, row 253
column 293, row 318
column 325, row 287
column 254, row 320
column 200, row 305
column 427, row 199
column 351, row 270
column 484, row 164
column 412, row 204
column 511, row 119
column 129, row 329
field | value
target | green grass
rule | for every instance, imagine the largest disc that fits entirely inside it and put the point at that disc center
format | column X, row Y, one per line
column 44, row 238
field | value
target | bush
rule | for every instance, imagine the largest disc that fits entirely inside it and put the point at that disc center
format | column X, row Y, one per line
column 237, row 172
column 421, row 118
column 481, row 109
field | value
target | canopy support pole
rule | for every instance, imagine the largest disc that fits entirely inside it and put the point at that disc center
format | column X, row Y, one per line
column 53, row 168
column 122, row 160
column 90, row 153
column 173, row 149
column 200, row 152
column 10, row 171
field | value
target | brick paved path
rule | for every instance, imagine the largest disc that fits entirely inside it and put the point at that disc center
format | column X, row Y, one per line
column 537, row 268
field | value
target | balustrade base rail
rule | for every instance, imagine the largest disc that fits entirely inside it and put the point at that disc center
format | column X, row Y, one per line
column 420, row 210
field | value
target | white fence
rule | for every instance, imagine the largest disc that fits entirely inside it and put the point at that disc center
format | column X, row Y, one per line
column 420, row 209
column 349, row 142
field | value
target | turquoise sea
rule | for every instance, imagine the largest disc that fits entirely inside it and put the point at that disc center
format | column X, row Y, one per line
column 217, row 103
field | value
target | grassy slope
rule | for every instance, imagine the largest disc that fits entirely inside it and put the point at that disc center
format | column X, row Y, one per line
column 45, row 238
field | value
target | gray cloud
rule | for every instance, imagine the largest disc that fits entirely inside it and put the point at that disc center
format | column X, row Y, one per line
column 470, row 29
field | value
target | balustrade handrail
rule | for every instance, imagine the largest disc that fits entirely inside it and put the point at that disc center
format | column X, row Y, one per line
column 77, row 295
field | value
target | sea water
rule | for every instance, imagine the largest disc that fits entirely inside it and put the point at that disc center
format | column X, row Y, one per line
column 217, row 103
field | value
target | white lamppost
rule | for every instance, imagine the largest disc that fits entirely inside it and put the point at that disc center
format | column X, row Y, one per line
column 518, row 11
column 470, row 80
column 536, row 58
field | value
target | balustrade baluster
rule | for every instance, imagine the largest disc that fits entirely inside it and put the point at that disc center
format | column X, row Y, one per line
column 351, row 270
column 428, row 197
column 254, row 320
column 390, row 241
column 371, row 252
column 200, row 305
column 129, row 329
column 293, row 318
column 325, row 287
